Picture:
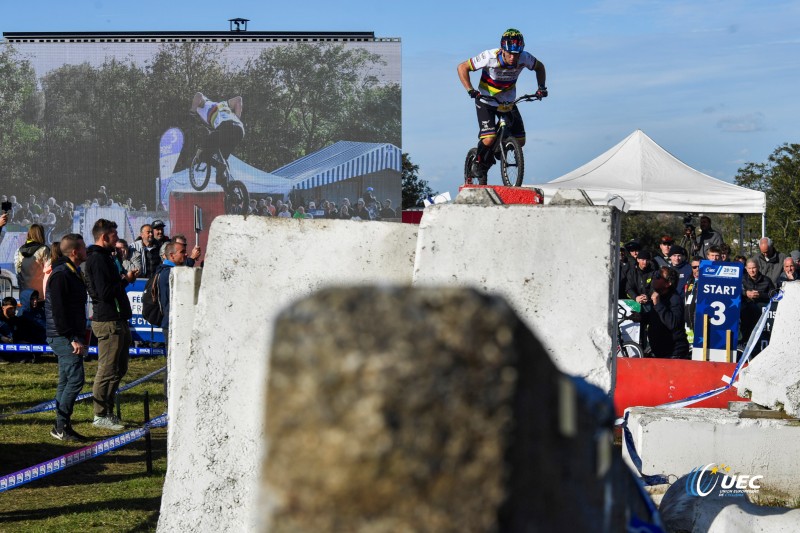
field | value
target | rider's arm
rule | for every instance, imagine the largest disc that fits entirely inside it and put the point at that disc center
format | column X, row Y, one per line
column 541, row 75
column 463, row 75
column 235, row 104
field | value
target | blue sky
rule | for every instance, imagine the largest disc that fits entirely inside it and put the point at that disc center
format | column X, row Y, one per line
column 713, row 82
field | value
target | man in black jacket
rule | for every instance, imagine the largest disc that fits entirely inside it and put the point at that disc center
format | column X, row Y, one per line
column 65, row 316
column 110, row 316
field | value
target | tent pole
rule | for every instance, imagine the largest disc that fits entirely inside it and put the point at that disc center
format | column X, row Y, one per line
column 764, row 224
column 741, row 234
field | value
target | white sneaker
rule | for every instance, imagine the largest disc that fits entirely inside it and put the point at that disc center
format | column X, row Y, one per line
column 107, row 422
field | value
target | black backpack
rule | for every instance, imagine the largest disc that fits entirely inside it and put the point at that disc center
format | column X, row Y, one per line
column 151, row 306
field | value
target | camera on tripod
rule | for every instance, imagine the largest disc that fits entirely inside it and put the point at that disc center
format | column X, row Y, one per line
column 687, row 223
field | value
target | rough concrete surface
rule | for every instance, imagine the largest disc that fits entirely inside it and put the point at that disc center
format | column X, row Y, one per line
column 254, row 268
column 406, row 410
column 772, row 379
column 675, row 441
column 555, row 265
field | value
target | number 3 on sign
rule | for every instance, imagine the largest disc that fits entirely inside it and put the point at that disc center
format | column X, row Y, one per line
column 719, row 313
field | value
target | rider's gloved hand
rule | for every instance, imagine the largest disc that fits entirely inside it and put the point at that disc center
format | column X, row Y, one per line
column 541, row 93
column 474, row 93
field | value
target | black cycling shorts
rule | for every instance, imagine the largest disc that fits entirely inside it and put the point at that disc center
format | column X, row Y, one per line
column 487, row 120
column 225, row 138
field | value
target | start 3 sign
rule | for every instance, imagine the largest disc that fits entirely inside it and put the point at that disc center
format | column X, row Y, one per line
column 719, row 301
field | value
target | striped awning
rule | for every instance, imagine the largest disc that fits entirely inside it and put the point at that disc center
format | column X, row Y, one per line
column 340, row 161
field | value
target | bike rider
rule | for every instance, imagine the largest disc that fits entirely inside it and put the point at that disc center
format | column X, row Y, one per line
column 501, row 67
column 225, row 120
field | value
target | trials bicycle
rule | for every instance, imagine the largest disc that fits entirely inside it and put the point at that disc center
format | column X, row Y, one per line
column 237, row 199
column 505, row 147
column 627, row 347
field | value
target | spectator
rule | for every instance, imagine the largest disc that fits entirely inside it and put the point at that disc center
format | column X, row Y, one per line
column 331, row 211
column 789, row 272
column 32, row 320
column 269, row 207
column 708, row 237
column 194, row 255
column 662, row 259
column 111, row 313
column 795, row 255
column 666, row 333
column 55, row 253
column 34, row 205
column 677, row 259
column 690, row 293
column 640, row 278
column 144, row 250
column 284, row 212
column 300, row 213
column 65, row 311
column 622, row 277
column 361, row 210
column 102, row 196
column 3, row 220
column 176, row 255
column 740, row 259
column 30, row 260
column 724, row 252
column 770, row 261
column 122, row 252
column 344, row 213
column 370, row 201
column 159, row 237
column 714, row 253
column 8, row 320
column 757, row 289
column 387, row 211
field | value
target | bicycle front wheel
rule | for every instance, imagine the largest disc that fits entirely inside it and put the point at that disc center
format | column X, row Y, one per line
column 512, row 164
column 630, row 349
column 199, row 173
column 469, row 179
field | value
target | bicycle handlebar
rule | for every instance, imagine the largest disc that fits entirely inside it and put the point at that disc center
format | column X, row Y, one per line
column 523, row 98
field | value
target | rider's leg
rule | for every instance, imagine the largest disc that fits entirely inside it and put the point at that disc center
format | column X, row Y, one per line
column 518, row 127
column 484, row 159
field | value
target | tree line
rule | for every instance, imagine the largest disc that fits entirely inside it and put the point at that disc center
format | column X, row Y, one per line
column 81, row 126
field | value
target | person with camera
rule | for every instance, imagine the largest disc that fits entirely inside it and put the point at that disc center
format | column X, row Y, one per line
column 707, row 238
column 666, row 332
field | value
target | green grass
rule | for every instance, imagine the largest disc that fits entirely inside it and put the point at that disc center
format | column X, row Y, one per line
column 112, row 492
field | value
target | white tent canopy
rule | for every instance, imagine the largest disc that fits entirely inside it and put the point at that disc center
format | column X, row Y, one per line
column 649, row 178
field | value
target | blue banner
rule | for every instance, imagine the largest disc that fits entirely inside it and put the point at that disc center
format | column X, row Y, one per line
column 141, row 329
column 719, row 295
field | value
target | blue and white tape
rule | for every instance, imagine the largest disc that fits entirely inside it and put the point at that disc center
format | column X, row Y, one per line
column 51, row 405
column 44, row 348
column 26, row 475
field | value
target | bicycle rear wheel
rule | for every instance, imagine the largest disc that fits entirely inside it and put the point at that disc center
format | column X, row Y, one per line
column 199, row 173
column 237, row 199
column 469, row 179
column 512, row 164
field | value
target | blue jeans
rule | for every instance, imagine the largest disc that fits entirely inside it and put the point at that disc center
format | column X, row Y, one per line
column 70, row 379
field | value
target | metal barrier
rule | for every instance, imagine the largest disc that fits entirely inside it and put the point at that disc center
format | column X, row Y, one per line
column 6, row 287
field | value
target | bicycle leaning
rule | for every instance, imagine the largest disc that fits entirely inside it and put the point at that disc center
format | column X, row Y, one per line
column 627, row 347
column 506, row 148
column 237, row 198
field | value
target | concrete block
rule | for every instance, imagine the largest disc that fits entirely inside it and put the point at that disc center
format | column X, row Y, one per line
column 571, row 197
column 397, row 409
column 254, row 268
column 673, row 442
column 555, row 266
column 184, row 286
column 773, row 378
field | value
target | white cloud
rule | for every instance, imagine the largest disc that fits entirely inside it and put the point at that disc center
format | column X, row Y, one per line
column 742, row 124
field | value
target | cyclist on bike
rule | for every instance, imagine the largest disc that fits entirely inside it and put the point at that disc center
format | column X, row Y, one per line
column 225, row 120
column 500, row 69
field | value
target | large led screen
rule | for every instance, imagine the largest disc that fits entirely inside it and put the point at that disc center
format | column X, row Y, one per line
column 91, row 129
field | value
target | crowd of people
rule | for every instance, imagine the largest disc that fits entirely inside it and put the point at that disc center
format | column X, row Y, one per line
column 367, row 207
column 664, row 284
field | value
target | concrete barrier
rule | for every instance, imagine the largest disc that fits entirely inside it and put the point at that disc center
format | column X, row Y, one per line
column 773, row 378
column 555, row 265
column 674, row 441
column 254, row 267
column 392, row 409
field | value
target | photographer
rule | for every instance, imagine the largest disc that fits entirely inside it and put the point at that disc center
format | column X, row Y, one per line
column 708, row 237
